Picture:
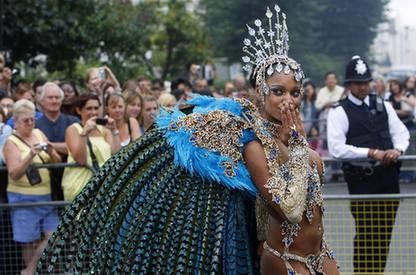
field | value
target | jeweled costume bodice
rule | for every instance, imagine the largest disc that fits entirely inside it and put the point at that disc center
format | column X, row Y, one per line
column 314, row 199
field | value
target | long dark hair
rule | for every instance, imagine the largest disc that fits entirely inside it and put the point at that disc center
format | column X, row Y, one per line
column 82, row 100
column 306, row 83
column 69, row 83
column 397, row 82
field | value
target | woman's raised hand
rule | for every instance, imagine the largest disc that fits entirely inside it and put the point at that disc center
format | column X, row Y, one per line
column 291, row 121
column 89, row 125
column 111, row 124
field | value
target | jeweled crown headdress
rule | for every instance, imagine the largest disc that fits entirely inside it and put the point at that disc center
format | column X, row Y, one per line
column 269, row 52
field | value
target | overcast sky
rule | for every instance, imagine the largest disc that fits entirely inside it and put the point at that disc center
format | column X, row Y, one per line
column 404, row 10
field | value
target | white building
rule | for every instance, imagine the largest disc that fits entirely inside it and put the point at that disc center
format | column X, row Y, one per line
column 394, row 46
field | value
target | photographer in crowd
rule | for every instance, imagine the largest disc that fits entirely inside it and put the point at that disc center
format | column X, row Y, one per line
column 97, row 80
column 27, row 146
column 89, row 143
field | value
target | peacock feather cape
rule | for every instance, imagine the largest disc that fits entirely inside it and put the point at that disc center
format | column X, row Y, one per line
column 178, row 200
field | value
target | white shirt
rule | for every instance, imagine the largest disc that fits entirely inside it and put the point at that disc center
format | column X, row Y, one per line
column 326, row 96
column 338, row 124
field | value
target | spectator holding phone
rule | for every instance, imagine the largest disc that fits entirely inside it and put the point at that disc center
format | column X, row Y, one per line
column 89, row 143
column 128, row 127
column 97, row 78
column 27, row 146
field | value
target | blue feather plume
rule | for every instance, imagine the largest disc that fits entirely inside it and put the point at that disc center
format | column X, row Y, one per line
column 201, row 161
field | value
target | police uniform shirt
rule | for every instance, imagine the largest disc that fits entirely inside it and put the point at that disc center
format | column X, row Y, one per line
column 338, row 124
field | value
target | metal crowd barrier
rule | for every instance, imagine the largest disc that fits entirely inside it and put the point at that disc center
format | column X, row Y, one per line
column 339, row 233
column 54, row 166
column 339, row 228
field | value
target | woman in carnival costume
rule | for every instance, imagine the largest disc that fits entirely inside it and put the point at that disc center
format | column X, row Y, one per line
column 179, row 199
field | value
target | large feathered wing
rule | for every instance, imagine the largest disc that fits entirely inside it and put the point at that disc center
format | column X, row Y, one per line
column 144, row 213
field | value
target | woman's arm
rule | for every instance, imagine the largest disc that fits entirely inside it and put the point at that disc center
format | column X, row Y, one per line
column 77, row 144
column 112, row 135
column 55, row 157
column 60, row 147
column 112, row 138
column 16, row 166
column 315, row 159
column 287, row 196
column 112, row 78
column 135, row 129
column 255, row 159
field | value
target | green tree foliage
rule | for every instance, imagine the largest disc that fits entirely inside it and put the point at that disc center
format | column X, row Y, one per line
column 180, row 40
column 116, row 32
column 63, row 30
column 324, row 34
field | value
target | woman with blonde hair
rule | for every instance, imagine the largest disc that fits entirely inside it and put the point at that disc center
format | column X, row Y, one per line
column 134, row 104
column 127, row 126
column 167, row 100
column 25, row 147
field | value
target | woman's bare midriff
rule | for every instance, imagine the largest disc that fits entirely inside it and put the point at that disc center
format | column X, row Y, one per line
column 309, row 238
column 307, row 242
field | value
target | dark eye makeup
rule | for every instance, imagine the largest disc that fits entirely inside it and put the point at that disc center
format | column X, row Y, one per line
column 279, row 91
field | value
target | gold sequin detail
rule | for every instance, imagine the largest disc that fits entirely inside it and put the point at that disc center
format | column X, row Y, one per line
column 218, row 131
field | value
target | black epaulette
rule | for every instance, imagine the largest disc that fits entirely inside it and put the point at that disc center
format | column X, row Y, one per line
column 336, row 104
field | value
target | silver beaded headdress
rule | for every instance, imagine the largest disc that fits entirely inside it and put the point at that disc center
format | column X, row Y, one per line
column 269, row 52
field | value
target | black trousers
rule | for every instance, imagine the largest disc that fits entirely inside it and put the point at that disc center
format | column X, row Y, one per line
column 374, row 222
column 374, row 219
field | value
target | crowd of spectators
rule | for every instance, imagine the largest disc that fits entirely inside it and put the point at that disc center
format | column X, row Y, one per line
column 60, row 121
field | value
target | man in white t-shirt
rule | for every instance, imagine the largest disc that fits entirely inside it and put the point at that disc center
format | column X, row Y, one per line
column 327, row 96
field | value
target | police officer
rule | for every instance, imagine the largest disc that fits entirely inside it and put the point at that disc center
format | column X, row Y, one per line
column 361, row 126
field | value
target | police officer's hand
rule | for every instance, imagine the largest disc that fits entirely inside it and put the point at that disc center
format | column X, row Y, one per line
column 391, row 156
column 378, row 155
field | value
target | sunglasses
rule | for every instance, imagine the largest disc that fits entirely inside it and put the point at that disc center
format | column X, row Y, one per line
column 28, row 120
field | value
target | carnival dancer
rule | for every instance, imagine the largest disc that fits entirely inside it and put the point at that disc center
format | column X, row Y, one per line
column 287, row 174
column 179, row 199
